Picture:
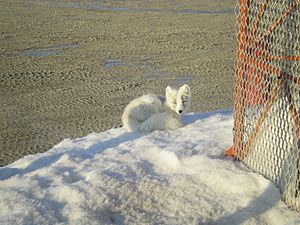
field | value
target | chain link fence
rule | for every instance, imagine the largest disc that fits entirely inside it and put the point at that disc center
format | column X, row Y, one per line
column 267, row 93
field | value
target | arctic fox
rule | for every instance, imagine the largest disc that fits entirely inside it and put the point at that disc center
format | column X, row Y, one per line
column 152, row 112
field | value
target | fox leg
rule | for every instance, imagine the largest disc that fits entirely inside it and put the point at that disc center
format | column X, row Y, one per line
column 160, row 121
column 142, row 112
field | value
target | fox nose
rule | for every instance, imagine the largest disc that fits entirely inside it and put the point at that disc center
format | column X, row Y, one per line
column 180, row 111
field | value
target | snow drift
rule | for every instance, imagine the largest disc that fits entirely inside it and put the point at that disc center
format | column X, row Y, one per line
column 166, row 177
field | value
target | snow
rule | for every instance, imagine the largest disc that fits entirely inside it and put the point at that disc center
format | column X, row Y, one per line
column 165, row 177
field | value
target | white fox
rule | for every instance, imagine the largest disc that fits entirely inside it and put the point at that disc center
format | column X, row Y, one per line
column 152, row 112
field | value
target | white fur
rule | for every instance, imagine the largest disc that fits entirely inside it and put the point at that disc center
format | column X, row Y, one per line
column 152, row 112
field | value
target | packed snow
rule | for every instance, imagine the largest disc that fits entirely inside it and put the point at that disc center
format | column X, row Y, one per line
column 165, row 177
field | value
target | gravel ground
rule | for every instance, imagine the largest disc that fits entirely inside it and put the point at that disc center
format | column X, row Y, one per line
column 68, row 68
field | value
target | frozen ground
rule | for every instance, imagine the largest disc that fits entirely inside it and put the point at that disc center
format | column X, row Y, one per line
column 65, row 64
column 166, row 177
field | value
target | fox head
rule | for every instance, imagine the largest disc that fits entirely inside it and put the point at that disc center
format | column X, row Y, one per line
column 179, row 100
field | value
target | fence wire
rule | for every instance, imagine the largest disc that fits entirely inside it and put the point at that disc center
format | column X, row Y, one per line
column 267, row 92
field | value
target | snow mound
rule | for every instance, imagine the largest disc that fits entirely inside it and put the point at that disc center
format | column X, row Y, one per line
column 166, row 177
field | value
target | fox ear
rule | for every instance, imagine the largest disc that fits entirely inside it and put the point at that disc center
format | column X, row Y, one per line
column 185, row 89
column 168, row 90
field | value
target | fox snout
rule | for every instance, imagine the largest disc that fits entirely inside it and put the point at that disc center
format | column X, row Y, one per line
column 180, row 111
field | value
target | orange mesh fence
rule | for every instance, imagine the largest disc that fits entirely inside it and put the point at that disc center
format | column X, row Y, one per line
column 267, row 93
